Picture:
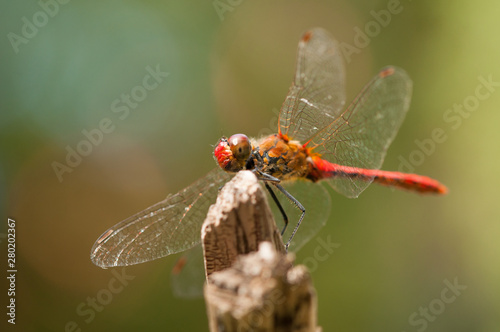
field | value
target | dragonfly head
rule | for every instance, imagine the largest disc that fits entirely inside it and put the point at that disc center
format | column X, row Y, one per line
column 232, row 153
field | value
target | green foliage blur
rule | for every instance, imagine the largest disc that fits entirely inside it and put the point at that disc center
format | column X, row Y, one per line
column 225, row 67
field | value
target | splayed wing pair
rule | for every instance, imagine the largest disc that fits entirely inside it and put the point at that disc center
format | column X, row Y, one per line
column 343, row 147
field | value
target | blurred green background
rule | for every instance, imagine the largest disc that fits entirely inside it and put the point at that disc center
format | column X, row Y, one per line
column 229, row 66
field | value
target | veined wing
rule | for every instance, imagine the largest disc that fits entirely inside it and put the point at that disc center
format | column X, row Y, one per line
column 170, row 226
column 361, row 135
column 317, row 94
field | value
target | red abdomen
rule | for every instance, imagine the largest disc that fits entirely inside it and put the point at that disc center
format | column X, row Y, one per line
column 323, row 169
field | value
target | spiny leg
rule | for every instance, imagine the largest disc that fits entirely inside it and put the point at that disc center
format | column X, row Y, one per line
column 297, row 203
column 275, row 181
column 283, row 213
column 265, row 177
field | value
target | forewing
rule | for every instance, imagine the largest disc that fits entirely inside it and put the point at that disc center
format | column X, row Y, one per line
column 317, row 94
column 170, row 226
column 362, row 134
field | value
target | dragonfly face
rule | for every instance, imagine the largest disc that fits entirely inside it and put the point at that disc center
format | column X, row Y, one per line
column 232, row 154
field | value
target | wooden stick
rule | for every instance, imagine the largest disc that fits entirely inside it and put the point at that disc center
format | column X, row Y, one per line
column 251, row 282
column 237, row 223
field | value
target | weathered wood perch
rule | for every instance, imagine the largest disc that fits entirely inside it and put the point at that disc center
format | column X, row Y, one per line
column 251, row 282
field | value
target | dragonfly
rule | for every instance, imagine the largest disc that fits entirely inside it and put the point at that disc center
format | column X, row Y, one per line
column 318, row 140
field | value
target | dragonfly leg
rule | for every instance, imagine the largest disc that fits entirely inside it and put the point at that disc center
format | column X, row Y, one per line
column 283, row 213
column 301, row 208
column 265, row 177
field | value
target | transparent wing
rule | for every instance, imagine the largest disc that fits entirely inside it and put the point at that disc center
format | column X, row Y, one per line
column 188, row 275
column 361, row 135
column 315, row 199
column 317, row 94
column 170, row 226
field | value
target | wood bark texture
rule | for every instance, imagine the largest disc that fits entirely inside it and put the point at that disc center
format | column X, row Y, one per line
column 251, row 282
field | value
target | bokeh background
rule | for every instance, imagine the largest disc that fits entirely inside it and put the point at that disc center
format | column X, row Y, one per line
column 229, row 66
